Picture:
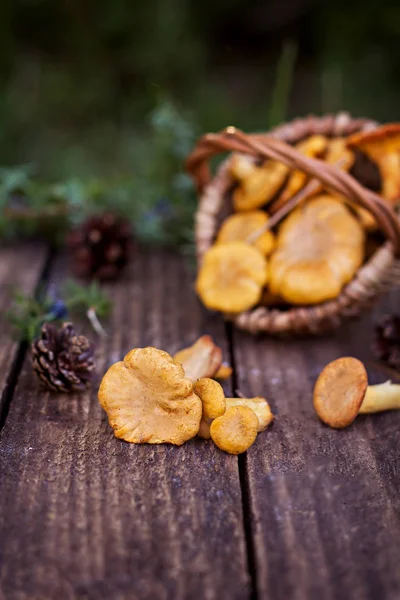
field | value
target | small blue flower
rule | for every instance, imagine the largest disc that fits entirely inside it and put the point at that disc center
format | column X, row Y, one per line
column 58, row 309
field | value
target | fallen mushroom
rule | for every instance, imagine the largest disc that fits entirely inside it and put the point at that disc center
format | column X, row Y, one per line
column 148, row 399
column 258, row 184
column 258, row 405
column 342, row 392
column 382, row 145
column 236, row 430
column 320, row 247
column 231, row 277
column 202, row 359
column 240, row 227
column 212, row 397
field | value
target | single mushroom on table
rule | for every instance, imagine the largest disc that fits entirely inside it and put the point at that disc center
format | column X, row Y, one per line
column 342, row 392
column 148, row 399
column 236, row 430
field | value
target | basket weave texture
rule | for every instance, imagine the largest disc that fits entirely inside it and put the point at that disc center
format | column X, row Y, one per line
column 380, row 273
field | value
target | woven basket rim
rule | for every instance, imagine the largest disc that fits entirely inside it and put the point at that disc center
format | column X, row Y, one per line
column 373, row 277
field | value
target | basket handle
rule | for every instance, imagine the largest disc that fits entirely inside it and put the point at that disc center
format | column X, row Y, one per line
column 266, row 146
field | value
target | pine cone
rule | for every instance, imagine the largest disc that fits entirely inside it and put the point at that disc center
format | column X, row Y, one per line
column 63, row 361
column 100, row 248
column 386, row 345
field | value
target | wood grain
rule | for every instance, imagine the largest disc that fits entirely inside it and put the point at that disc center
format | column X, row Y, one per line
column 324, row 505
column 20, row 268
column 85, row 515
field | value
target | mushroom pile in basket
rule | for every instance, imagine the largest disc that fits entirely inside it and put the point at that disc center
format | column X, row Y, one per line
column 291, row 231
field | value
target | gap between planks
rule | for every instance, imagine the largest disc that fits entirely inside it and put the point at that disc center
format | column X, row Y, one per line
column 243, row 478
column 20, row 351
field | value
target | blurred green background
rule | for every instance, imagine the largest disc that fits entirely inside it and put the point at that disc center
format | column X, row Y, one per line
column 86, row 85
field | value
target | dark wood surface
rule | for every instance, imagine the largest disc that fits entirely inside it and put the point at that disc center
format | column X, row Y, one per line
column 307, row 513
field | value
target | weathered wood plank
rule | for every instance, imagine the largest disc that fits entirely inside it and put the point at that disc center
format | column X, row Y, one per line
column 20, row 267
column 85, row 515
column 324, row 504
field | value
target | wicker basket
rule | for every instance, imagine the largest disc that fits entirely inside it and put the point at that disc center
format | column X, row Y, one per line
column 380, row 272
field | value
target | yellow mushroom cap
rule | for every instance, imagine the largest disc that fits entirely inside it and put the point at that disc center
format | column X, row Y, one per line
column 201, row 359
column 236, row 430
column 148, row 399
column 258, row 184
column 212, row 397
column 320, row 246
column 339, row 392
column 231, row 277
column 258, row 405
column 241, row 226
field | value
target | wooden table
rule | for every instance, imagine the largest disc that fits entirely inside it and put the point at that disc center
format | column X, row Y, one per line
column 307, row 513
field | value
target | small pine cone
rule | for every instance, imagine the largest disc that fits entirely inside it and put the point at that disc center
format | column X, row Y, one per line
column 386, row 346
column 63, row 361
column 100, row 248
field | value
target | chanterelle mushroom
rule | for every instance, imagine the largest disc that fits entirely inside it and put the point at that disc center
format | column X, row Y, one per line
column 231, row 277
column 342, row 392
column 148, row 399
column 202, row 359
column 240, row 227
column 339, row 391
column 320, row 246
column 258, row 184
column 382, row 145
column 236, row 430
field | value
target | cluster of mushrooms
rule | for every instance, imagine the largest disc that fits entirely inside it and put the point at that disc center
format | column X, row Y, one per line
column 318, row 248
column 154, row 398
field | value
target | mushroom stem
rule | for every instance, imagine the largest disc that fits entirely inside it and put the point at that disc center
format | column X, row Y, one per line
column 385, row 396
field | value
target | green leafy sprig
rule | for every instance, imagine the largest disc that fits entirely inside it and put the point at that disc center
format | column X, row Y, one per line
column 28, row 313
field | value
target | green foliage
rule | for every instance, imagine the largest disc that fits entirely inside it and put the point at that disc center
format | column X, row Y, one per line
column 158, row 198
column 28, row 315
column 80, row 298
